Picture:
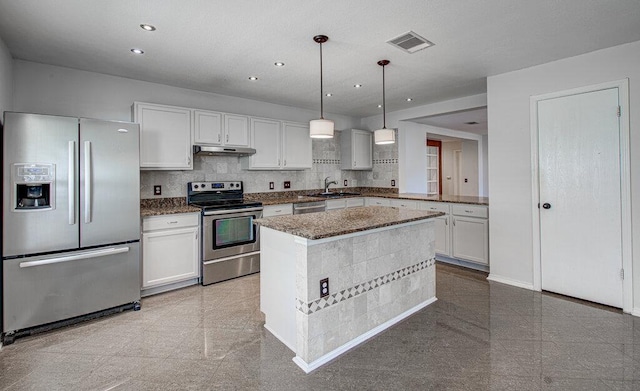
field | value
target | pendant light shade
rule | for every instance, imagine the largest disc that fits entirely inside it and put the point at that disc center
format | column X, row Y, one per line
column 321, row 128
column 384, row 135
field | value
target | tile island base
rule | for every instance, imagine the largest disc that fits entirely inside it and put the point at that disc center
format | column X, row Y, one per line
column 377, row 277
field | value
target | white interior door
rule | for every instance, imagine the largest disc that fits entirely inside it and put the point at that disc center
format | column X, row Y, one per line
column 580, row 196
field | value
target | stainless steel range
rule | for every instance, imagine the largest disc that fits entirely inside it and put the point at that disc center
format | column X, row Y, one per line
column 230, row 240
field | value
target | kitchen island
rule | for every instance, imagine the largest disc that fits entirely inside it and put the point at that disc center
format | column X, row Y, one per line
column 379, row 262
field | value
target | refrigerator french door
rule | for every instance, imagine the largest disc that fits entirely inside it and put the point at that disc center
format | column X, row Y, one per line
column 70, row 218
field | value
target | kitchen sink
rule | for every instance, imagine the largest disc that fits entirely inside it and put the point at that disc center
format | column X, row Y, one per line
column 334, row 194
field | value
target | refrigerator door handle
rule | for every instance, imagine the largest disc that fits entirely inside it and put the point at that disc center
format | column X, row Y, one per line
column 72, row 182
column 76, row 257
column 87, row 182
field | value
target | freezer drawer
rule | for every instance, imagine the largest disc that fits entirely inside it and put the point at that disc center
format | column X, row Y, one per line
column 44, row 289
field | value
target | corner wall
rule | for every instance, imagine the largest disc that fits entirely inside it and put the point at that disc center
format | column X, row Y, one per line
column 510, row 165
column 6, row 79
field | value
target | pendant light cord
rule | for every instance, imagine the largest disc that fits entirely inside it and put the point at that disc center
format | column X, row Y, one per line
column 384, row 108
column 321, row 89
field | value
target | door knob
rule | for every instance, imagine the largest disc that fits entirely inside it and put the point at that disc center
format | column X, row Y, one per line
column 546, row 205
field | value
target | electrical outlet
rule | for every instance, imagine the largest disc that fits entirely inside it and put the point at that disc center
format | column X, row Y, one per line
column 324, row 287
column 287, row 184
column 271, row 186
column 157, row 190
column 393, row 183
column 466, row 180
column 345, row 182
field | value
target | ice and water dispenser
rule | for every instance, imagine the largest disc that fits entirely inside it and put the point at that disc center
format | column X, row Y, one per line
column 34, row 186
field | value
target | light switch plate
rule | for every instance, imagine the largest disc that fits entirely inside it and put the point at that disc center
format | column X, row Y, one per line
column 157, row 190
column 271, row 186
column 287, row 184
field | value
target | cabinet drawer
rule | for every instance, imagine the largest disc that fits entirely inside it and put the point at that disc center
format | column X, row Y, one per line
column 378, row 202
column 154, row 223
column 277, row 210
column 470, row 210
column 335, row 204
column 404, row 204
column 352, row 202
column 434, row 206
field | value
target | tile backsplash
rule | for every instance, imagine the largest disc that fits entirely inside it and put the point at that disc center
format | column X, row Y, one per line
column 326, row 163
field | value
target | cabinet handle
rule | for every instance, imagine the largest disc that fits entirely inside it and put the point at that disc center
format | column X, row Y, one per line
column 454, row 222
column 218, row 138
column 433, row 208
column 279, row 210
column 354, row 163
column 285, row 162
column 446, row 222
column 188, row 160
column 278, row 161
column 468, row 211
column 172, row 222
column 227, row 137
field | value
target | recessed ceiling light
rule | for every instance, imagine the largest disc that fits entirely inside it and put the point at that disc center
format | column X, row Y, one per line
column 409, row 99
column 379, row 106
column 357, row 85
column 253, row 78
column 147, row 27
column 279, row 64
column 328, row 94
column 137, row 51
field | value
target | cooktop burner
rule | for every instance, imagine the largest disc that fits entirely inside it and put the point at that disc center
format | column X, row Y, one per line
column 218, row 195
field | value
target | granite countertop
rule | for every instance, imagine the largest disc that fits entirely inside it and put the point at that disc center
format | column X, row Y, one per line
column 296, row 197
column 165, row 206
column 344, row 221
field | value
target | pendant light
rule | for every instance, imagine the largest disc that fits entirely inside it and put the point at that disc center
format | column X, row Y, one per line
column 321, row 128
column 384, row 135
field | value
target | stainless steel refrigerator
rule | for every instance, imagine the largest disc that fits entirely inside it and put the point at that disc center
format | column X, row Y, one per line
column 71, row 225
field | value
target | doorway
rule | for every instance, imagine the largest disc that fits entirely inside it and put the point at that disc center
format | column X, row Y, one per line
column 582, row 185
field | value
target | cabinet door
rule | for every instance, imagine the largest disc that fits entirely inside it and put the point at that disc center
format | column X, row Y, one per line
column 296, row 146
column 470, row 239
column 265, row 138
column 165, row 136
column 362, row 149
column 169, row 256
column 207, row 127
column 441, row 244
column 236, row 128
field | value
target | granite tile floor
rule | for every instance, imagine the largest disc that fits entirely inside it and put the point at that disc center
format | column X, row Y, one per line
column 477, row 336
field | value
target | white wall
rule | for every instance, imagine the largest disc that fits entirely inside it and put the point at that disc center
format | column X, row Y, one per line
column 485, row 165
column 6, row 79
column 510, row 166
column 49, row 89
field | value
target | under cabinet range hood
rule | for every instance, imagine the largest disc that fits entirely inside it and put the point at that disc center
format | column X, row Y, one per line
column 216, row 150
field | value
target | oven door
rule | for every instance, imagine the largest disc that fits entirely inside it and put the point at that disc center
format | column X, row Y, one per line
column 229, row 233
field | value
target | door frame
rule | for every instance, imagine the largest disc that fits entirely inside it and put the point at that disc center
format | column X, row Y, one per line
column 625, row 183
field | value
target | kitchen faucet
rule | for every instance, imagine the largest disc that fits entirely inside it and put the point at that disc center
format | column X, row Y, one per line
column 327, row 184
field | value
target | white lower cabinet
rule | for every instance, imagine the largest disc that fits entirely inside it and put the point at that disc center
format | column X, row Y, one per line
column 170, row 251
column 443, row 232
column 344, row 203
column 470, row 238
column 277, row 210
column 405, row 204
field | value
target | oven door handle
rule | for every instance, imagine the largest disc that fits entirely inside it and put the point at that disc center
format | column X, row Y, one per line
column 231, row 212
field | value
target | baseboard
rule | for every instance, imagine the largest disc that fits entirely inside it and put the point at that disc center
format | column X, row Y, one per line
column 308, row 367
column 463, row 263
column 635, row 311
column 509, row 281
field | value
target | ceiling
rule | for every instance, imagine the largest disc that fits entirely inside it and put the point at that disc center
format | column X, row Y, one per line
column 216, row 45
column 459, row 120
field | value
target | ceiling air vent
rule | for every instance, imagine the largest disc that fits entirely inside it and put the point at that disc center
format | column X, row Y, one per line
column 410, row 42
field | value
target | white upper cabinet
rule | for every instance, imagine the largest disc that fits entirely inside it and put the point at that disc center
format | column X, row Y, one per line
column 215, row 128
column 356, row 149
column 279, row 146
column 236, row 129
column 296, row 146
column 267, row 140
column 207, row 127
column 165, row 136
